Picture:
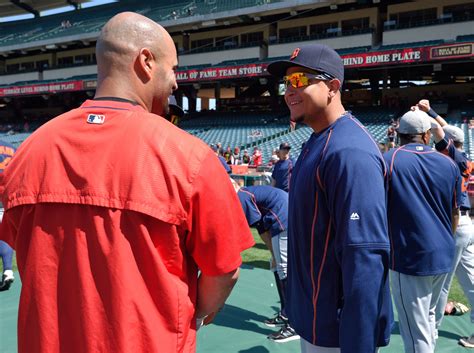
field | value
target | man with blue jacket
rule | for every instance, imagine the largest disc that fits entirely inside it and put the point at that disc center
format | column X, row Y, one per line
column 338, row 248
column 424, row 196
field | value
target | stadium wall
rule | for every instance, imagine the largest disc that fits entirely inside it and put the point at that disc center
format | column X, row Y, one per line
column 340, row 16
column 57, row 74
column 448, row 31
column 219, row 56
column 337, row 43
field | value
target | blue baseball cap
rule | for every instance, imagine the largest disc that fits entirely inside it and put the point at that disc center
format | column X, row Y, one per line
column 175, row 109
column 317, row 57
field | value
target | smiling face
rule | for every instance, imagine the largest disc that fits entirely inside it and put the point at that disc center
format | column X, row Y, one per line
column 305, row 103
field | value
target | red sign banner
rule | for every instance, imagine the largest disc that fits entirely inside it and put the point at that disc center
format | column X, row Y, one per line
column 221, row 73
column 380, row 58
column 44, row 88
column 409, row 55
column 463, row 50
column 359, row 60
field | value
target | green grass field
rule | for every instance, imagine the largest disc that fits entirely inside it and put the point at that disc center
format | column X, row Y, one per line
column 259, row 256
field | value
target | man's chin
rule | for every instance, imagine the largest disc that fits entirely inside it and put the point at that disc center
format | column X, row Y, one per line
column 297, row 118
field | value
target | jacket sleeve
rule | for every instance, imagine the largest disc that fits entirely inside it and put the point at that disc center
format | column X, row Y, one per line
column 355, row 189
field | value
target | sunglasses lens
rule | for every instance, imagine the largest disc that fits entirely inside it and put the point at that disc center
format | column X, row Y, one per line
column 296, row 80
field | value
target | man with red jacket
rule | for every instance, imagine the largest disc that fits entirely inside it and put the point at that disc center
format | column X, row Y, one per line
column 112, row 214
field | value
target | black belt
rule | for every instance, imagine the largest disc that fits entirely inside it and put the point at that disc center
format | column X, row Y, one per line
column 464, row 212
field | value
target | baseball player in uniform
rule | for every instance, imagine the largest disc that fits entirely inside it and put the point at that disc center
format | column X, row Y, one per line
column 283, row 168
column 450, row 140
column 423, row 199
column 266, row 208
column 338, row 297
column 6, row 252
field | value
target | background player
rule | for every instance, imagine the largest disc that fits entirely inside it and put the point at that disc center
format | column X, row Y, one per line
column 266, row 208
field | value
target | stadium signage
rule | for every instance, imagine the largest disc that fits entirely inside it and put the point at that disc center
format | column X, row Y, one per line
column 383, row 57
column 408, row 55
column 219, row 73
column 52, row 87
column 452, row 51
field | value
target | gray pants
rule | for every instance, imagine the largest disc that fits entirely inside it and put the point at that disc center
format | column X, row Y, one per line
column 307, row 347
column 463, row 267
column 415, row 298
column 280, row 251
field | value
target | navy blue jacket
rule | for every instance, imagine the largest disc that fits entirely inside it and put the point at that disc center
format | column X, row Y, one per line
column 338, row 256
column 424, row 187
column 282, row 173
column 465, row 167
column 265, row 208
column 224, row 164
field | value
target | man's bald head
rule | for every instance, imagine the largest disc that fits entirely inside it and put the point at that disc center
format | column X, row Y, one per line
column 136, row 59
column 124, row 35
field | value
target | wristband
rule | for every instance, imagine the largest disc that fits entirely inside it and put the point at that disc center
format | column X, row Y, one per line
column 432, row 113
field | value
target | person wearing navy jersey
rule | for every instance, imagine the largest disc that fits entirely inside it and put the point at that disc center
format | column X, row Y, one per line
column 6, row 252
column 221, row 158
column 338, row 297
column 424, row 194
column 282, row 170
column 450, row 140
column 266, row 208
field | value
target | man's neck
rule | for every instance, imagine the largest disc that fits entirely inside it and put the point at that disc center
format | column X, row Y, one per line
column 327, row 118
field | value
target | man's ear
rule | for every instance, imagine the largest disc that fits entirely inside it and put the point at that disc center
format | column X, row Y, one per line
column 145, row 63
column 426, row 138
column 334, row 86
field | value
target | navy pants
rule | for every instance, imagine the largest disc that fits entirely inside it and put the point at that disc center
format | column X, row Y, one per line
column 6, row 253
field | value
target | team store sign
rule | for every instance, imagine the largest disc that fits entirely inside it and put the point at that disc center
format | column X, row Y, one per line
column 221, row 73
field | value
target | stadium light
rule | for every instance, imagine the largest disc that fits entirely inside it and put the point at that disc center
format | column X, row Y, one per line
column 293, row 13
column 257, row 18
column 333, row 7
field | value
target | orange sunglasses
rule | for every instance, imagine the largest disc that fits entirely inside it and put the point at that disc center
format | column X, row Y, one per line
column 301, row 79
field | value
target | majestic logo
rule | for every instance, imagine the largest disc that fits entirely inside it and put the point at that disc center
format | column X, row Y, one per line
column 354, row 216
column 419, row 148
column 295, row 53
column 95, row 119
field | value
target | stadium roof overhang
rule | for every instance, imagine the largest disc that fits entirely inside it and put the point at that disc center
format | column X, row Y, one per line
column 22, row 7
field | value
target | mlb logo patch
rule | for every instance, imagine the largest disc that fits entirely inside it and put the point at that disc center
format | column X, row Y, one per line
column 95, row 119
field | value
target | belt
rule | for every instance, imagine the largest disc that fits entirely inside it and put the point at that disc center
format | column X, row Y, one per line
column 464, row 212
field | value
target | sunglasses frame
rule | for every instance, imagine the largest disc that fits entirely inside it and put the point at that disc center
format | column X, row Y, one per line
column 321, row 76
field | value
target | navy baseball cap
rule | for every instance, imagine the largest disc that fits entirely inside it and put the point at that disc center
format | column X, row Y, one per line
column 317, row 57
column 285, row 146
column 175, row 109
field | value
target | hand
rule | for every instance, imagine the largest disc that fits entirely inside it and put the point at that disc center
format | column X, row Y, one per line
column 209, row 318
column 424, row 105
